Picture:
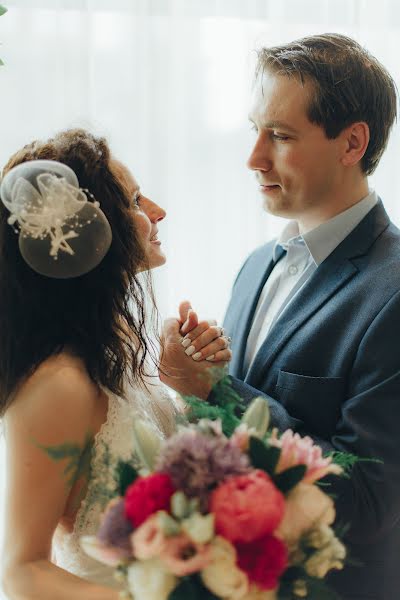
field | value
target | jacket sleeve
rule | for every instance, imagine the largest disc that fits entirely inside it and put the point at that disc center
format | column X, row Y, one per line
column 369, row 427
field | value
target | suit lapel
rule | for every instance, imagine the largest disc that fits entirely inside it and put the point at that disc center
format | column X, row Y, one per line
column 335, row 272
column 253, row 284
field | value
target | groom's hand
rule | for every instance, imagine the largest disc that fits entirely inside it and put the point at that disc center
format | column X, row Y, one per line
column 180, row 372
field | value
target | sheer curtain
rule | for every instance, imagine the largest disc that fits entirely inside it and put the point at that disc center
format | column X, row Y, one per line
column 167, row 82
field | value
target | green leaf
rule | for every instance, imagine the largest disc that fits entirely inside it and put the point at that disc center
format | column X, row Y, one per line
column 286, row 480
column 262, row 456
column 1, row 63
column 346, row 460
column 125, row 475
column 184, row 590
column 317, row 588
column 227, row 405
column 3, row 10
column 191, row 588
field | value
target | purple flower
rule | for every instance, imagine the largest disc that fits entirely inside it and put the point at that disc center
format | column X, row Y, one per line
column 197, row 462
column 115, row 529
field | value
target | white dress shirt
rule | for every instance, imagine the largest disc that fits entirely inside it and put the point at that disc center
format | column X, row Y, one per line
column 304, row 253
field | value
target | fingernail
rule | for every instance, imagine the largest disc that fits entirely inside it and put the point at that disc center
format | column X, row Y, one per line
column 186, row 342
column 190, row 350
column 184, row 327
column 210, row 357
column 196, row 356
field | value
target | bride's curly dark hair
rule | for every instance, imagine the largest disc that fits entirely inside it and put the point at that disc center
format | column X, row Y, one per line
column 100, row 316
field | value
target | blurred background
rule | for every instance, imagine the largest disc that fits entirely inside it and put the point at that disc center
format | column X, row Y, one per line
column 168, row 83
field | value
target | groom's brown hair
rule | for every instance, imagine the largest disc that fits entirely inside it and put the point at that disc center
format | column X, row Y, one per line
column 349, row 85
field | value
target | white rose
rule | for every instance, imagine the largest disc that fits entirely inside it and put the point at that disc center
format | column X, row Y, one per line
column 221, row 576
column 148, row 580
column 329, row 557
column 306, row 507
column 257, row 594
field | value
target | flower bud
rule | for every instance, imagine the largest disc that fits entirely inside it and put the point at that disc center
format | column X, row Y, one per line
column 200, row 528
column 167, row 524
column 147, row 443
column 179, row 505
column 257, row 416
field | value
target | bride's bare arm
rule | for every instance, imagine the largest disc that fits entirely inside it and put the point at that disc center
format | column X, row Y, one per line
column 54, row 407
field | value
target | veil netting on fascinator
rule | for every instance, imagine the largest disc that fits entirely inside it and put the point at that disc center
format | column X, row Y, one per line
column 61, row 233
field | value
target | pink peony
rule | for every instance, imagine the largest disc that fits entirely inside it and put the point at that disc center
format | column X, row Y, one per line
column 247, row 507
column 297, row 450
column 182, row 557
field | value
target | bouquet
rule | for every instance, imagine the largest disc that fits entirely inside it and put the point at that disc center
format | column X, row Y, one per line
column 225, row 508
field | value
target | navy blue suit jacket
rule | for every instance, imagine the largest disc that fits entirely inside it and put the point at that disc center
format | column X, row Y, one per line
column 330, row 368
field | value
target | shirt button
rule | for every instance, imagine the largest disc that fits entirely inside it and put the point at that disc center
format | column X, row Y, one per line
column 293, row 270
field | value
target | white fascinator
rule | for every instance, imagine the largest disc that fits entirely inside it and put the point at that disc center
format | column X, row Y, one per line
column 61, row 233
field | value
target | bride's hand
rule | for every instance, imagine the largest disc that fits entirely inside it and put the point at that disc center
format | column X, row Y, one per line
column 204, row 339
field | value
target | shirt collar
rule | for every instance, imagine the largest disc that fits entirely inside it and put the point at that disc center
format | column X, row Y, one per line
column 322, row 240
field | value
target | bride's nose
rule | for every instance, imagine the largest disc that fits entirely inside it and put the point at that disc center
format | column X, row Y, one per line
column 152, row 210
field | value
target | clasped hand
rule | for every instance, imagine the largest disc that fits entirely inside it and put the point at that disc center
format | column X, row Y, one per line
column 190, row 349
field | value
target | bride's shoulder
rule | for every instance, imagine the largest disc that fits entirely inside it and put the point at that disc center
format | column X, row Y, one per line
column 59, row 390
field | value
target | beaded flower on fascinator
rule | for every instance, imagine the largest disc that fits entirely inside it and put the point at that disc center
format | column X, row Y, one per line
column 61, row 233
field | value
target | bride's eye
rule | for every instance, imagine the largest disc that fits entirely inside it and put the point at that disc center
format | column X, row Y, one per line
column 136, row 200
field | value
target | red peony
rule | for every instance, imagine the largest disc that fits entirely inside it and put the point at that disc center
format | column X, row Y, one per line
column 147, row 495
column 247, row 507
column 263, row 561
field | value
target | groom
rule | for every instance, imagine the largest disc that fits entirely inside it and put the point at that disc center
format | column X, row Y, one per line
column 315, row 315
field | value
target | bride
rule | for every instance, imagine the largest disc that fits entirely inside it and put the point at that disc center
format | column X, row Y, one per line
column 76, row 354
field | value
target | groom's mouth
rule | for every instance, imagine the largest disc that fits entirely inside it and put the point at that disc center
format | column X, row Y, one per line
column 269, row 188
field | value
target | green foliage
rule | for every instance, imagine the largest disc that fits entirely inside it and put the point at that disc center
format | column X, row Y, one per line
column 286, row 480
column 227, row 403
column 191, row 588
column 317, row 588
column 125, row 475
column 262, row 456
column 347, row 461
column 3, row 10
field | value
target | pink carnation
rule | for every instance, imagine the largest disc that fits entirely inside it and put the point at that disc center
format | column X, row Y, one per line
column 263, row 561
column 146, row 496
column 297, row 450
column 247, row 507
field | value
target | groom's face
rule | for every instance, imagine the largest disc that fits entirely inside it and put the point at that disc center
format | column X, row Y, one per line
column 297, row 167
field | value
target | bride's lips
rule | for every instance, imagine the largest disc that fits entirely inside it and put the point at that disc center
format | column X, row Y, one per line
column 154, row 239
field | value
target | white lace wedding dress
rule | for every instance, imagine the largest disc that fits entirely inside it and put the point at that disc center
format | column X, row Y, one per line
column 114, row 441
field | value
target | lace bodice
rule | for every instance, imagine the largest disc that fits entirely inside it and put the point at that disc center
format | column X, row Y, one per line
column 114, row 441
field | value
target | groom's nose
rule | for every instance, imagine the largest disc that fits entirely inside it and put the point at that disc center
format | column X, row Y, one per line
column 261, row 157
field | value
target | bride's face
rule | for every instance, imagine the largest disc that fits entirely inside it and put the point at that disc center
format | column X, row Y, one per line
column 146, row 215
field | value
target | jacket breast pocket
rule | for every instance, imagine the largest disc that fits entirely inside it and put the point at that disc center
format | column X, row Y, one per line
column 315, row 400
